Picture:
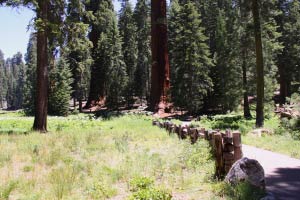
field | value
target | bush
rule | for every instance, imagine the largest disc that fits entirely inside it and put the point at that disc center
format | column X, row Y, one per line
column 140, row 183
column 151, row 193
column 234, row 122
column 144, row 189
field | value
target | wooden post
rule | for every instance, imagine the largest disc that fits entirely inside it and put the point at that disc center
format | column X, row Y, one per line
column 237, row 143
column 218, row 154
column 193, row 135
column 184, row 132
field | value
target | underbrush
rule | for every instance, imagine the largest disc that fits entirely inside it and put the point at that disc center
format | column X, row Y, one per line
column 223, row 122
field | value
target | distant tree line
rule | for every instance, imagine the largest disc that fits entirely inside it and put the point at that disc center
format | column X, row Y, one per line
column 220, row 52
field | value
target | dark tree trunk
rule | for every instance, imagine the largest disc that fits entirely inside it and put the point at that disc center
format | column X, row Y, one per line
column 244, row 43
column 283, row 84
column 259, row 66
column 80, row 104
column 160, row 73
column 41, row 107
column 247, row 113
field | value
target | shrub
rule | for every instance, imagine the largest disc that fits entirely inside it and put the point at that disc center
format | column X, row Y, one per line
column 140, row 183
column 151, row 193
column 100, row 190
column 143, row 188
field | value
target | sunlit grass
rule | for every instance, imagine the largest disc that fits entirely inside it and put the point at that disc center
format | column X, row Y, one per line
column 86, row 158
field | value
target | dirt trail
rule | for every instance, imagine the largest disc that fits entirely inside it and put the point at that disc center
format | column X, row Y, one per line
column 282, row 172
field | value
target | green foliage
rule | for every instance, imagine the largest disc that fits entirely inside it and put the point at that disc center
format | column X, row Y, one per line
column 152, row 193
column 60, row 89
column 30, row 83
column 140, row 183
column 243, row 190
column 144, row 189
column 12, row 80
column 143, row 64
column 189, row 56
column 78, row 54
column 127, row 31
column 101, row 191
column 229, row 121
column 2, row 80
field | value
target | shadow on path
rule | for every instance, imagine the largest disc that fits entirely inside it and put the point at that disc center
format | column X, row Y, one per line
column 284, row 183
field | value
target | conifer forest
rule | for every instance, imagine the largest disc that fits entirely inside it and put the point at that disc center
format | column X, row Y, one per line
column 222, row 64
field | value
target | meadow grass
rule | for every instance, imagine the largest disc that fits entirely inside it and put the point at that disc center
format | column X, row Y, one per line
column 82, row 157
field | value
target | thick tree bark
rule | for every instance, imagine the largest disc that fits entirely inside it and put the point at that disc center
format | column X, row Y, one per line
column 259, row 65
column 160, row 73
column 41, row 108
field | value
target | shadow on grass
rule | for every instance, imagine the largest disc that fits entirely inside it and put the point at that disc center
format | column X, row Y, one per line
column 108, row 114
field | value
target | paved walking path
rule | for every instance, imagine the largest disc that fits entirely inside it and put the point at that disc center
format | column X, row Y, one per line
column 282, row 172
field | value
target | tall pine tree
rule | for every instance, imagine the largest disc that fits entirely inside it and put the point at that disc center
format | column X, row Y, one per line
column 143, row 65
column 127, row 30
column 189, row 57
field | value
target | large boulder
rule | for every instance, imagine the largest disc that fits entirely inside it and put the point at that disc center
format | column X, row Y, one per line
column 246, row 169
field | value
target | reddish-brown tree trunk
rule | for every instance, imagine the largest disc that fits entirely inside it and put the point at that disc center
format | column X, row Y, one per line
column 41, row 107
column 259, row 66
column 160, row 74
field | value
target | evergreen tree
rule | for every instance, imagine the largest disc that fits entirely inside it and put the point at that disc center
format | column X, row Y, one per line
column 226, row 73
column 127, row 30
column 108, row 71
column 143, row 65
column 60, row 89
column 259, row 65
column 78, row 50
column 289, row 58
column 30, row 82
column 189, row 57
column 3, row 87
column 15, row 73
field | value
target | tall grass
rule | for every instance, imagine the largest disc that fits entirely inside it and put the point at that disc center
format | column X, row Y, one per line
column 87, row 158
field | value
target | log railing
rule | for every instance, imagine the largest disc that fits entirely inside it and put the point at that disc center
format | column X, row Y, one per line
column 226, row 146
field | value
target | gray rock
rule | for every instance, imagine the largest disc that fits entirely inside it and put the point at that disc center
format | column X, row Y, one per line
column 246, row 169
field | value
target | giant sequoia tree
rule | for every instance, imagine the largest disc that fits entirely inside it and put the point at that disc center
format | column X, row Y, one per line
column 160, row 80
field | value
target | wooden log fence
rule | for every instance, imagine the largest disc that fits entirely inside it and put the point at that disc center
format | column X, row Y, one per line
column 226, row 146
